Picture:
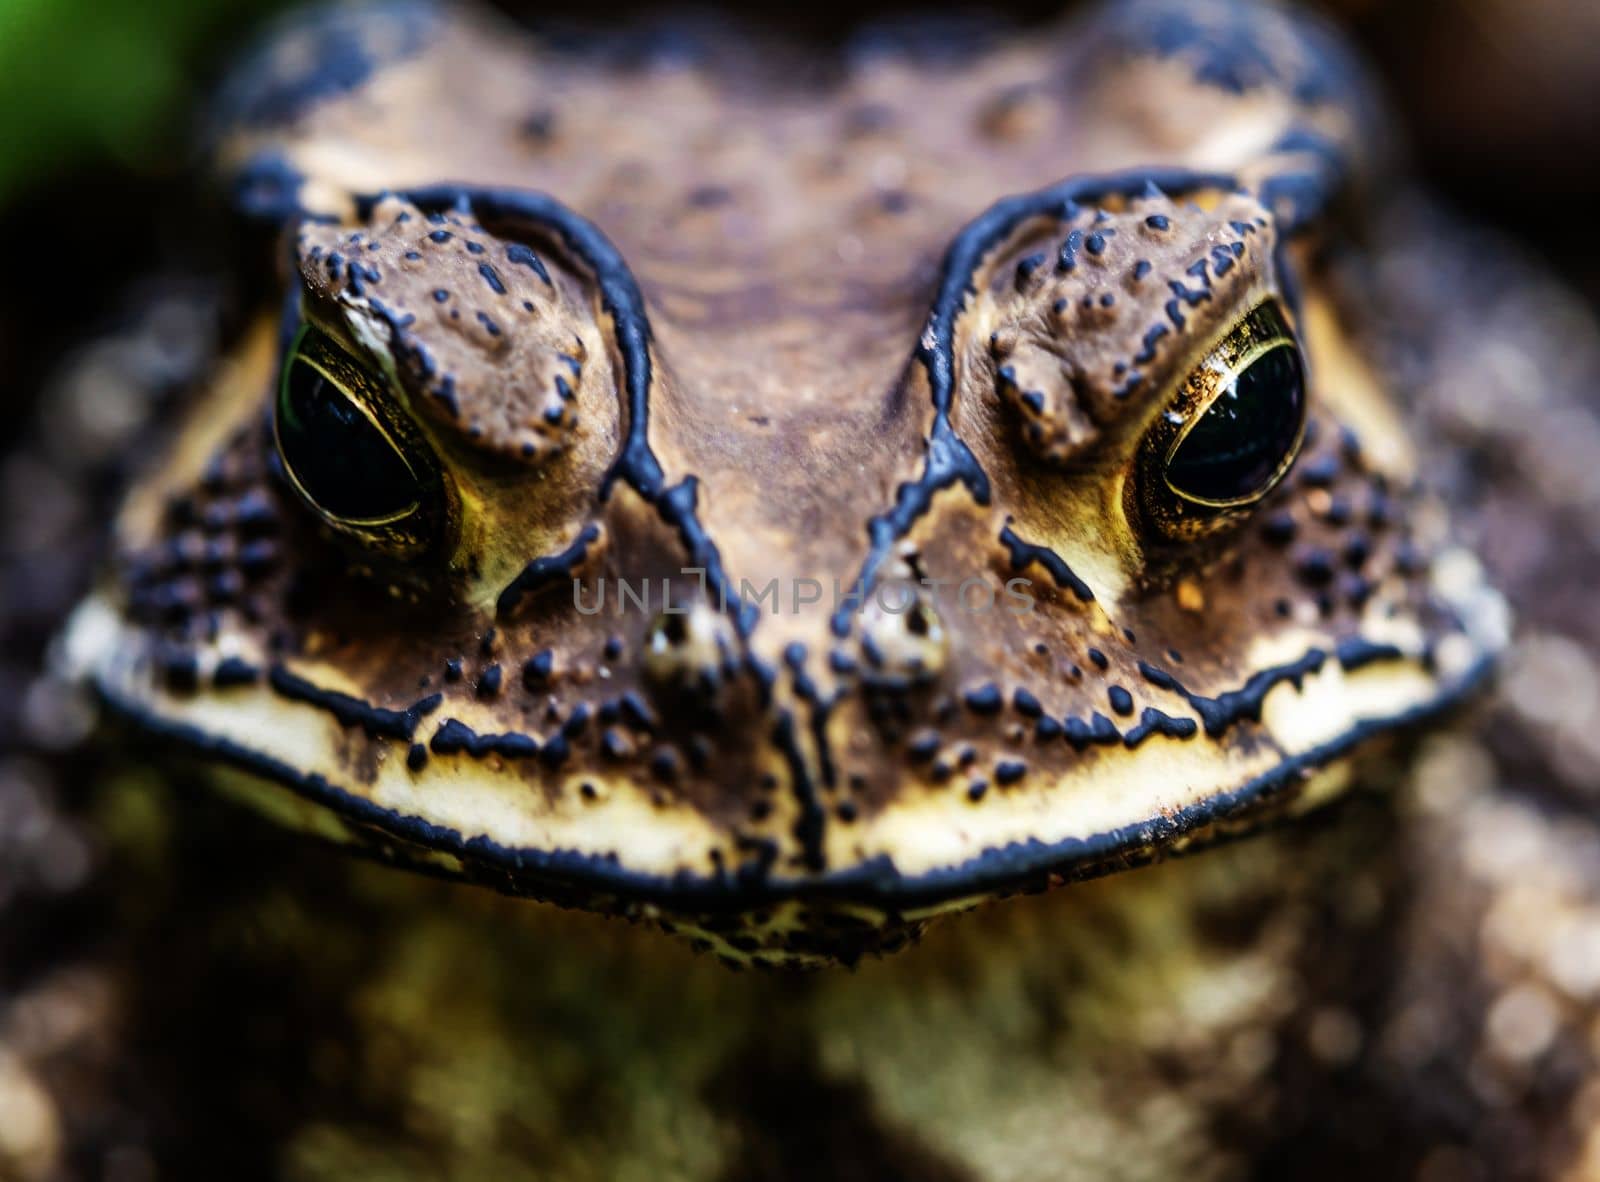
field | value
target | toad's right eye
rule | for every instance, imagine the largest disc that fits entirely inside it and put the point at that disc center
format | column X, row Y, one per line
column 354, row 466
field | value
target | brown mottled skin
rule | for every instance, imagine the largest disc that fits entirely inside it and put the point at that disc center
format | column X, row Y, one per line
column 1383, row 988
column 692, row 318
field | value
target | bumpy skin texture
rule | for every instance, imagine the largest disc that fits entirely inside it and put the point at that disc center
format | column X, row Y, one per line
column 916, row 323
column 1404, row 986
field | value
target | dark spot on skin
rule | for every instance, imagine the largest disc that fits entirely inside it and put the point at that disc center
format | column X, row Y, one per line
column 1121, row 700
column 985, row 699
column 234, row 671
column 539, row 126
column 1158, row 221
column 1314, row 566
column 180, row 670
column 492, row 278
column 536, row 670
column 1319, row 472
column 1279, row 528
column 1026, row 704
column 1009, row 771
column 1098, row 659
column 523, row 256
column 664, row 765
column 1026, row 268
column 489, row 682
column 976, row 790
column 555, row 752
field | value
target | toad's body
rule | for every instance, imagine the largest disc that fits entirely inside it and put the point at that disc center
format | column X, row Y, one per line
column 520, row 311
column 717, row 332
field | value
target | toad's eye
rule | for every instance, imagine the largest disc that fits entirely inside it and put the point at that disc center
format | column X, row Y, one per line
column 351, row 458
column 1231, row 432
column 1245, row 439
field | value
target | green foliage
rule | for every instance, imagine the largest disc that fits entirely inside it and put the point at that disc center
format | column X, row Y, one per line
column 85, row 78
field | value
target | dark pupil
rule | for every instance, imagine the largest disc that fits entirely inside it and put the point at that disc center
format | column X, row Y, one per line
column 337, row 455
column 1245, row 435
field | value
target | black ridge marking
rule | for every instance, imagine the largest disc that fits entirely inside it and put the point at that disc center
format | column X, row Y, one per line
column 545, row 570
column 1099, row 729
column 516, row 252
column 1023, row 553
column 620, row 297
column 492, row 278
column 794, row 656
column 810, row 824
column 234, row 671
column 1226, row 709
column 949, row 461
column 375, row 720
column 267, row 187
column 454, row 738
column 1355, row 652
column 1154, row 722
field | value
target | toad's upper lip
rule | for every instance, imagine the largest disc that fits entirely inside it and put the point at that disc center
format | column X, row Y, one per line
column 875, row 883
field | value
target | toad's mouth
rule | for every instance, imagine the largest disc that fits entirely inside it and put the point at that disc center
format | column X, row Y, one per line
column 480, row 806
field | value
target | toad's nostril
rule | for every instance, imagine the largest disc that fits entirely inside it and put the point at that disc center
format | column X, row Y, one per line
column 691, row 649
column 903, row 637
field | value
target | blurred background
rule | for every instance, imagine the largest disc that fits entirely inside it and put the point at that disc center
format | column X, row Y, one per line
column 100, row 100
column 101, row 212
